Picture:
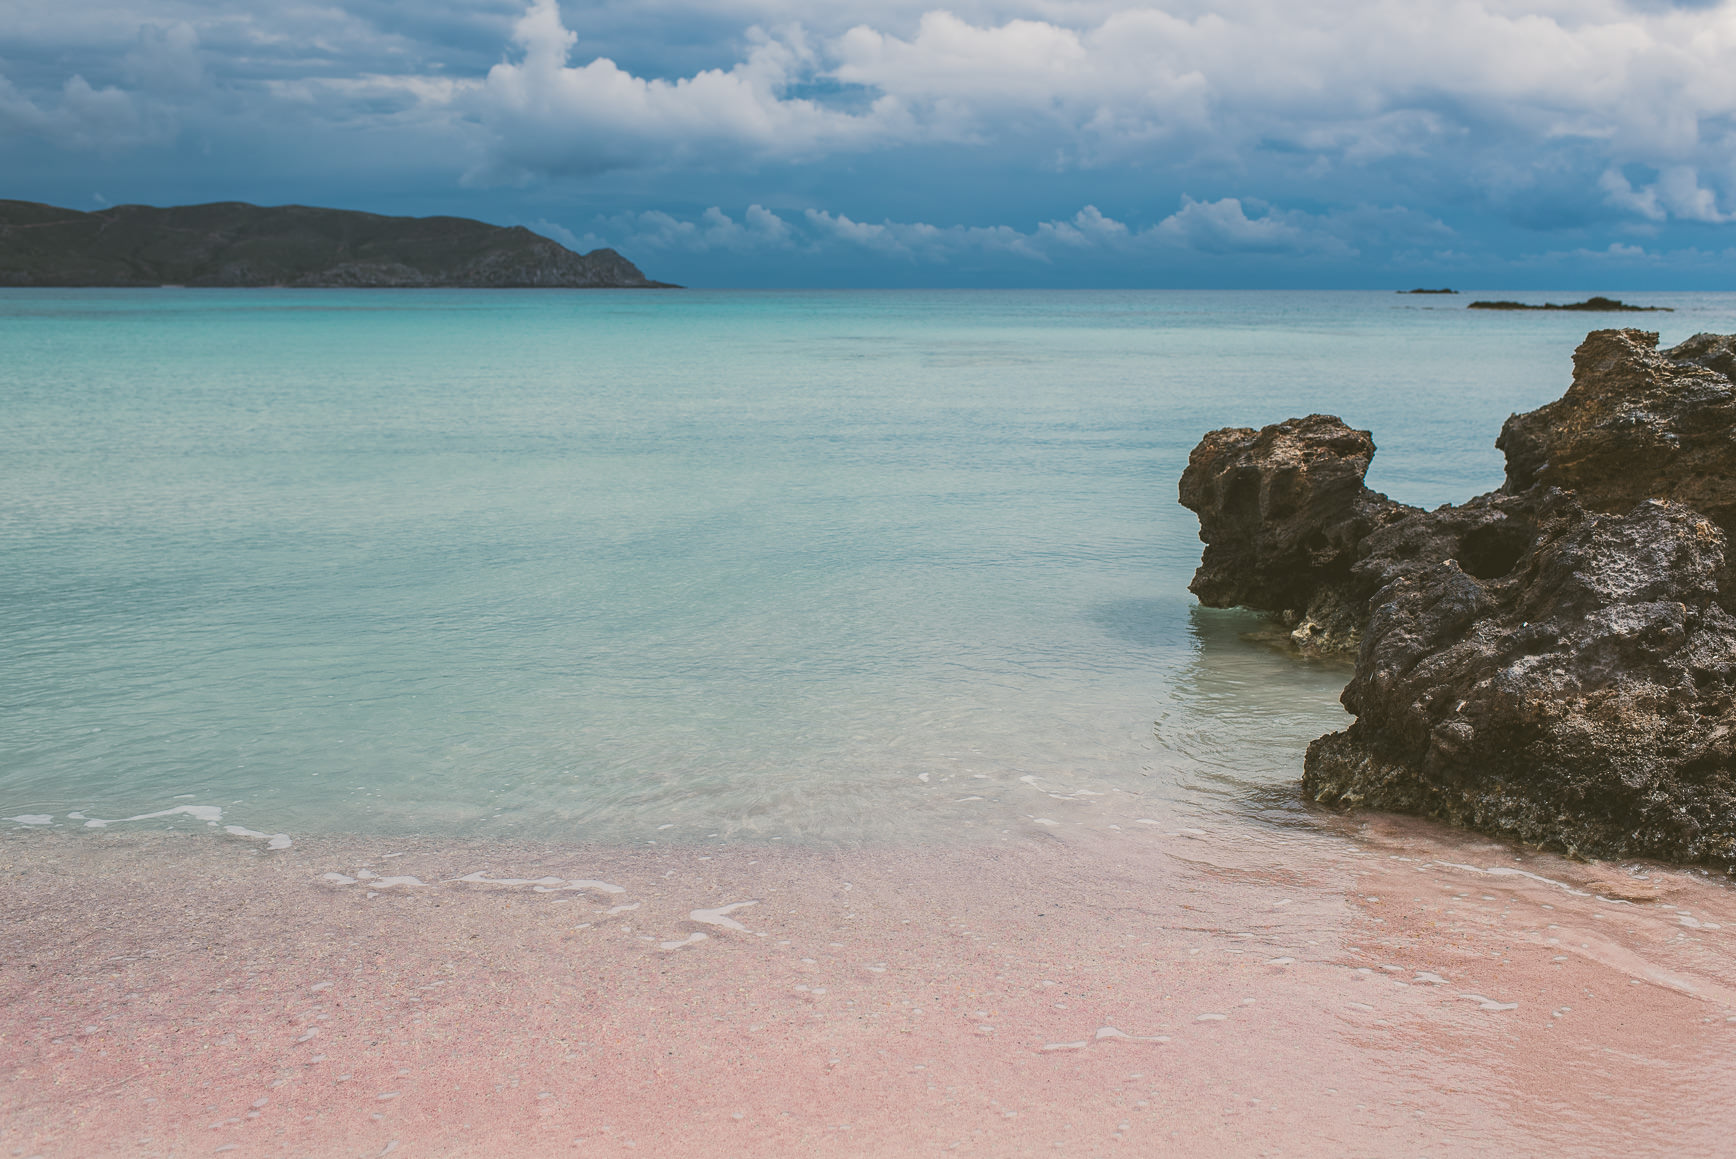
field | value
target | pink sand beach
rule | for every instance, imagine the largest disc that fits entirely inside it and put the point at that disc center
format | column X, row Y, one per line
column 1378, row 987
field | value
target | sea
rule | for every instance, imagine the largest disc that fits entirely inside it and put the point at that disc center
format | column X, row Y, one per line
column 665, row 568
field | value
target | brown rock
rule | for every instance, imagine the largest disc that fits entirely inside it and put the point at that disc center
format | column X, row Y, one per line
column 1636, row 424
column 1282, row 511
column 1555, row 661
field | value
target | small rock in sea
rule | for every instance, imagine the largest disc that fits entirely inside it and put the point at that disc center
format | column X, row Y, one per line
column 1590, row 305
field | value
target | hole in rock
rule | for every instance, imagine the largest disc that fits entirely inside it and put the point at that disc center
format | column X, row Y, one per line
column 1492, row 551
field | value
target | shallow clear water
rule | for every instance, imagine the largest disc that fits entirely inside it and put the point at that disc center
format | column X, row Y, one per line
column 682, row 566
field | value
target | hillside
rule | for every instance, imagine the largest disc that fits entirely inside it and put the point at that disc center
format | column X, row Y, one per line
column 232, row 243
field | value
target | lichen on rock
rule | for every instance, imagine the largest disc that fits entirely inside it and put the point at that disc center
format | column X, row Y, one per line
column 1554, row 661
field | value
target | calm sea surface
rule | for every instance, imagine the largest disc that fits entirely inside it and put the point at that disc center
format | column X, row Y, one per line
column 617, row 567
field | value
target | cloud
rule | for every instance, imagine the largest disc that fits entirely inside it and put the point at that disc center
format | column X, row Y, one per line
column 546, row 116
column 1622, row 255
column 166, row 59
column 1676, row 193
column 1223, row 226
column 1489, row 91
column 83, row 117
column 714, row 230
column 163, row 63
column 1337, row 131
column 1220, row 227
column 1619, row 192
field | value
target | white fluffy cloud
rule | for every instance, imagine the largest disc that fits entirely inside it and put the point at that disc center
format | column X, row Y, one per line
column 1341, row 83
column 546, row 115
column 1221, row 227
column 1677, row 192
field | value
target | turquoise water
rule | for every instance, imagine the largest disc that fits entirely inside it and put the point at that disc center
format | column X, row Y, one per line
column 682, row 566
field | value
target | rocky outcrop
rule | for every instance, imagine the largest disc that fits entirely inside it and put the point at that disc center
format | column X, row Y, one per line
column 1290, row 529
column 235, row 244
column 1555, row 661
column 1636, row 424
column 1590, row 305
column 1283, row 512
column 1585, row 701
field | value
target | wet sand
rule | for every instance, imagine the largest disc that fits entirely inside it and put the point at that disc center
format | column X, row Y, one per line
column 1376, row 986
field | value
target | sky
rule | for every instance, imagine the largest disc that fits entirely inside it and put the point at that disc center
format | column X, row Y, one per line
column 1585, row 144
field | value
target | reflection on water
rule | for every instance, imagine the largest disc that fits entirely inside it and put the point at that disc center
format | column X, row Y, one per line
column 1143, row 623
column 1244, row 712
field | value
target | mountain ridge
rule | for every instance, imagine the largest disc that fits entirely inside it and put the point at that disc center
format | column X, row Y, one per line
column 238, row 244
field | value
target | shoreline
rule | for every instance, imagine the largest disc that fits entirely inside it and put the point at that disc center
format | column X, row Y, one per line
column 1381, row 984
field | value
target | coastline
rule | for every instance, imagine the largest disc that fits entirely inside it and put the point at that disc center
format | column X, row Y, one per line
column 1377, row 984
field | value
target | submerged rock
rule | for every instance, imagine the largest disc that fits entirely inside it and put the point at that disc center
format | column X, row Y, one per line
column 1554, row 661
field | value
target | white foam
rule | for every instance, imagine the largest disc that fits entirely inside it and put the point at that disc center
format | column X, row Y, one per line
column 1279, row 961
column 542, row 884
column 1489, row 1003
column 1044, row 821
column 272, row 840
column 1065, row 1045
column 1509, row 871
column 720, row 916
column 1212, row 1018
column 692, row 939
column 1104, row 1032
column 338, row 879
column 33, row 818
column 375, row 881
column 210, row 814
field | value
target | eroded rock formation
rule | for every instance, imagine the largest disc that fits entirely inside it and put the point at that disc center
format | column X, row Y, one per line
column 1636, row 424
column 1554, row 661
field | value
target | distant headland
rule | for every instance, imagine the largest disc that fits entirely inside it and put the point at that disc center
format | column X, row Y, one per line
column 232, row 243
column 1606, row 305
column 1442, row 290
